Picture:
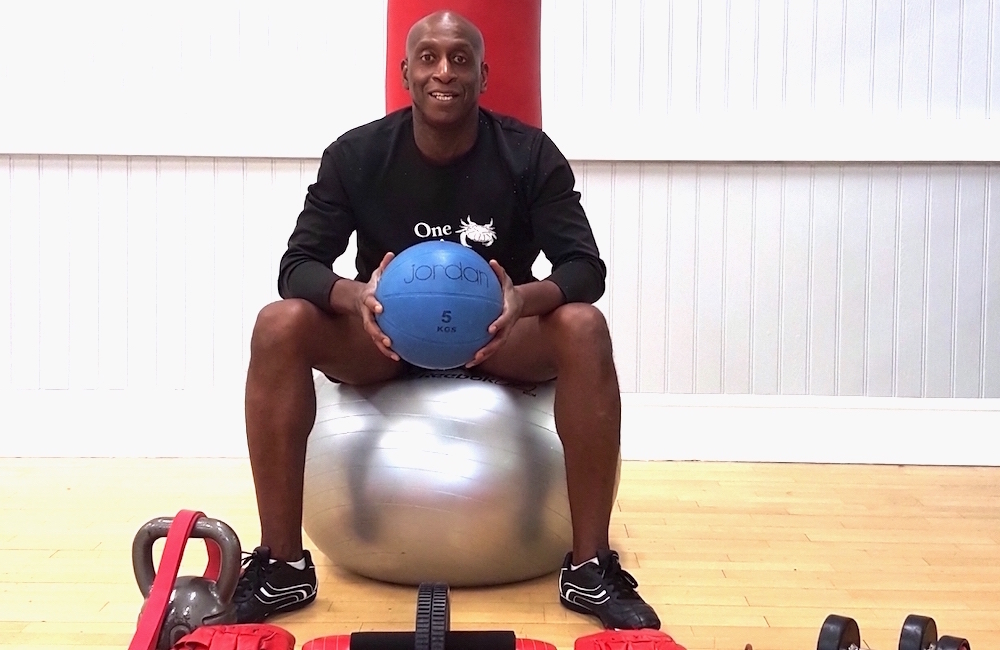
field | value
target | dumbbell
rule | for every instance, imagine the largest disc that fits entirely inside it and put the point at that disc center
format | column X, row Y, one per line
column 918, row 633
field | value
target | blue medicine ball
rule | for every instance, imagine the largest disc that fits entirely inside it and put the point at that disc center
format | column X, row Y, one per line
column 438, row 300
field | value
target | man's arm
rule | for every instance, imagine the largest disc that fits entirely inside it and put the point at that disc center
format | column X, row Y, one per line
column 562, row 229
column 560, row 225
column 538, row 298
column 320, row 236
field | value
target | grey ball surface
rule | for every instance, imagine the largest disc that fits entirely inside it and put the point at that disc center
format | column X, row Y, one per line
column 444, row 477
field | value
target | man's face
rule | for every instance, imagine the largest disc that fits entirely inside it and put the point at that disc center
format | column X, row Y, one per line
column 444, row 74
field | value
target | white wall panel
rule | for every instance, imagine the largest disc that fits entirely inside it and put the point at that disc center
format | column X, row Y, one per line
column 970, row 264
column 681, row 253
column 24, row 262
column 793, row 294
column 84, row 265
column 141, row 299
column 870, row 268
column 680, row 79
column 138, row 276
column 843, row 80
column 882, row 274
column 795, row 279
column 625, row 255
column 990, row 371
column 171, row 270
column 112, row 272
column 6, row 274
column 738, row 283
column 188, row 78
column 939, row 300
column 55, row 212
column 708, row 278
column 742, row 32
column 200, row 202
column 911, row 284
column 651, row 331
column 826, row 197
column 765, row 272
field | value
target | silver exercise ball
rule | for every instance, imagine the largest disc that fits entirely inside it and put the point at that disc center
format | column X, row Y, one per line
column 446, row 476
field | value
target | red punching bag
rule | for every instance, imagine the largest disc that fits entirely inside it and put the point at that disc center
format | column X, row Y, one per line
column 512, row 31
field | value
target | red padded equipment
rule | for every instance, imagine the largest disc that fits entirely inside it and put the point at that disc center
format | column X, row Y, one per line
column 627, row 640
column 248, row 636
column 338, row 642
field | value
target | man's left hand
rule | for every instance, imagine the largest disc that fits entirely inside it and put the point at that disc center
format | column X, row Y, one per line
column 501, row 327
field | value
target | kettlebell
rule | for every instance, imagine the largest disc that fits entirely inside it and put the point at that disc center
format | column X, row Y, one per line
column 194, row 600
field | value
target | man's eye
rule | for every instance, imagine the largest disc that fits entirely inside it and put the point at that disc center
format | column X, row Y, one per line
column 460, row 59
column 426, row 58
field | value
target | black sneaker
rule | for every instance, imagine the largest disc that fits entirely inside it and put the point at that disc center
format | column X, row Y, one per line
column 607, row 591
column 267, row 588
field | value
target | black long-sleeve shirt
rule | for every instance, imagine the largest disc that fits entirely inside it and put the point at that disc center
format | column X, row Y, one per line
column 509, row 198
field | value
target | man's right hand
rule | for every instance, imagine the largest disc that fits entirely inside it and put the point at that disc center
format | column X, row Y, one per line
column 364, row 304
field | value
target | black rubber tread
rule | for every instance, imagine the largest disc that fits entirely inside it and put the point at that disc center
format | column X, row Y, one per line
column 839, row 633
column 918, row 633
column 953, row 643
column 433, row 616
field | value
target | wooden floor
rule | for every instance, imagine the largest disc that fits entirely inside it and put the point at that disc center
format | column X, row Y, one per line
column 729, row 554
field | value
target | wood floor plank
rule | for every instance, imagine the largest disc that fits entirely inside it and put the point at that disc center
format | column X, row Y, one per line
column 728, row 553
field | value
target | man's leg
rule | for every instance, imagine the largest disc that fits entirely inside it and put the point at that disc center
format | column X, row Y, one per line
column 573, row 344
column 290, row 339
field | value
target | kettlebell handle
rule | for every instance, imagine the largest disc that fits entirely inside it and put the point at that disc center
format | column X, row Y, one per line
column 216, row 534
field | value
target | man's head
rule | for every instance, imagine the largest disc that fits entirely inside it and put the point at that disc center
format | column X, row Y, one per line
column 444, row 68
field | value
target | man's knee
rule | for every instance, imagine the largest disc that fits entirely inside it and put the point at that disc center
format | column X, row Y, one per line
column 282, row 326
column 579, row 327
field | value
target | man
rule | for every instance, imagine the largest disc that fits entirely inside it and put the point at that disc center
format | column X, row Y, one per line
column 432, row 167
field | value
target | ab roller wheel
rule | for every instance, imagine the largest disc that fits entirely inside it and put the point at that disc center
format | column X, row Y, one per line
column 433, row 616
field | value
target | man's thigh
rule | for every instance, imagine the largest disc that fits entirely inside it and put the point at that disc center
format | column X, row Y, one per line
column 527, row 355
column 341, row 349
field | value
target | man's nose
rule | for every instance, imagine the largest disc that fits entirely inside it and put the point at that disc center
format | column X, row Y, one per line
column 443, row 72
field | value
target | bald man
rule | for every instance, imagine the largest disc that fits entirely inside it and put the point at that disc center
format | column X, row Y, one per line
column 429, row 168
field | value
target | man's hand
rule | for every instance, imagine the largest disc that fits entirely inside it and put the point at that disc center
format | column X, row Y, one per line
column 513, row 305
column 367, row 307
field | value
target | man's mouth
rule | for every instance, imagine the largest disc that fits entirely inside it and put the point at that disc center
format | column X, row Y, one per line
column 443, row 97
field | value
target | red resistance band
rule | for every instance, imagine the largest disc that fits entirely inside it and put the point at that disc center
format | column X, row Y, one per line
column 155, row 608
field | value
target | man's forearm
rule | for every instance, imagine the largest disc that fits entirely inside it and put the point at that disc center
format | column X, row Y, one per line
column 344, row 295
column 540, row 297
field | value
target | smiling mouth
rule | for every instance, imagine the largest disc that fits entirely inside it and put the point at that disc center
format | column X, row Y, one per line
column 443, row 97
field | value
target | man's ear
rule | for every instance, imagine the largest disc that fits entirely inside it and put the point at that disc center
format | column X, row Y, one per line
column 484, row 73
column 404, row 68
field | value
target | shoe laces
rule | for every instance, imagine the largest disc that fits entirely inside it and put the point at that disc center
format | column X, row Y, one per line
column 255, row 566
column 623, row 582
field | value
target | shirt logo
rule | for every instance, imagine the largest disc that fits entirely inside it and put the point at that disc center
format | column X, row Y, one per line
column 481, row 234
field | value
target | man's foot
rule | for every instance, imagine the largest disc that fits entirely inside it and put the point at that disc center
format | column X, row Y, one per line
column 607, row 591
column 268, row 588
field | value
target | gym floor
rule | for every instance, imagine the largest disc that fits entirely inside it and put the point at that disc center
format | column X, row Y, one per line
column 728, row 553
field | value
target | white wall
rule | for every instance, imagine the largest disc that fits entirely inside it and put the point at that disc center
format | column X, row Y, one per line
column 778, row 304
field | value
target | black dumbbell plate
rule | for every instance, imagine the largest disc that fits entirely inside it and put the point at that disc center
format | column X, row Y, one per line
column 839, row 633
column 952, row 643
column 918, row 633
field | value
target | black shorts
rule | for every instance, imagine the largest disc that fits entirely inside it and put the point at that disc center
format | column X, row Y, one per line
column 407, row 370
